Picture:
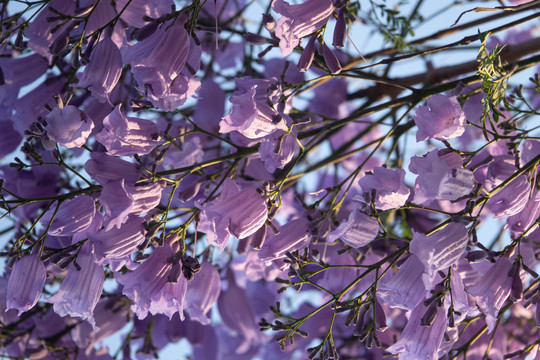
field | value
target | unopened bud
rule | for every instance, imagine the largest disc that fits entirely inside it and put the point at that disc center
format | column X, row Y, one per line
column 269, row 22
column 340, row 31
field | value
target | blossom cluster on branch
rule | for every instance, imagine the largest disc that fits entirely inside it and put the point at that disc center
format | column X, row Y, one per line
column 254, row 185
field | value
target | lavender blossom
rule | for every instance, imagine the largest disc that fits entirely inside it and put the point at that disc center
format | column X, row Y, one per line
column 238, row 315
column 388, row 185
column 441, row 176
column 126, row 136
column 104, row 169
column 150, row 287
column 299, row 21
column 203, row 293
column 238, row 212
column 294, row 235
column 492, row 289
column 277, row 150
column 25, row 284
column 440, row 119
column 73, row 216
column 118, row 244
column 439, row 250
column 103, row 72
column 251, row 114
column 121, row 200
column 81, row 289
column 357, row 231
column 161, row 65
column 419, row 341
column 404, row 289
column 68, row 126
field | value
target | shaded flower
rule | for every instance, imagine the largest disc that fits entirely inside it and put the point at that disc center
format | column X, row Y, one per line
column 277, row 150
column 25, row 283
column 121, row 200
column 294, row 235
column 203, row 293
column 103, row 72
column 150, row 288
column 238, row 212
column 81, row 289
column 126, row 136
column 420, row 340
column 238, row 315
column 104, row 169
column 163, row 65
column 118, row 244
column 491, row 290
column 68, row 126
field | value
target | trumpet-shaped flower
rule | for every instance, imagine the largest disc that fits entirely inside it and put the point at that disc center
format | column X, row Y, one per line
column 238, row 212
column 299, row 21
column 81, row 289
column 441, row 118
column 25, row 283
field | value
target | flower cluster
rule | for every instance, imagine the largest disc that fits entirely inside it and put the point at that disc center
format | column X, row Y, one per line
column 162, row 180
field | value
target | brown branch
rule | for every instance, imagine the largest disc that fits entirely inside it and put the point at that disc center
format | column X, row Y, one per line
column 435, row 36
column 510, row 54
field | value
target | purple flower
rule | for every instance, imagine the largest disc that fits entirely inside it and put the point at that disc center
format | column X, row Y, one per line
column 121, row 200
column 511, row 199
column 73, row 216
column 238, row 315
column 521, row 222
column 210, row 106
column 81, row 289
column 492, row 289
column 357, row 231
column 25, row 283
column 251, row 114
column 9, row 138
column 32, row 105
column 388, row 185
column 404, row 289
column 158, row 63
column 238, row 212
column 294, row 235
column 340, row 31
column 135, row 10
column 419, row 340
column 152, row 289
column 68, row 126
column 118, row 244
column 277, row 150
column 330, row 59
column 441, row 176
column 440, row 119
column 203, row 293
column 299, row 21
column 104, row 169
column 103, row 72
column 126, row 136
column 440, row 250
column 304, row 63
column 40, row 31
